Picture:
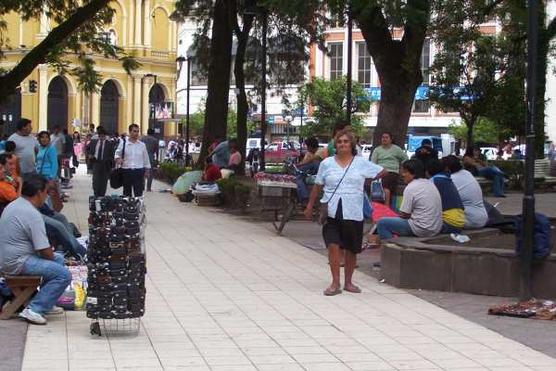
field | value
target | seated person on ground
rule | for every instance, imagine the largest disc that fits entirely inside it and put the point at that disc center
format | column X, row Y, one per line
column 309, row 165
column 235, row 156
column 453, row 217
column 212, row 172
column 476, row 164
column 25, row 250
column 421, row 209
column 469, row 191
column 426, row 152
column 8, row 191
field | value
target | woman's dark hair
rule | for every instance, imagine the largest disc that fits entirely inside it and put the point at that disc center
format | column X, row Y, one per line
column 415, row 168
column 43, row 133
column 312, row 142
column 3, row 159
column 23, row 122
column 434, row 166
column 452, row 163
column 10, row 146
column 33, row 184
column 469, row 151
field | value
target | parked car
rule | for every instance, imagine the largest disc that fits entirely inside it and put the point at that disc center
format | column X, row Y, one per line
column 491, row 153
column 366, row 150
column 278, row 152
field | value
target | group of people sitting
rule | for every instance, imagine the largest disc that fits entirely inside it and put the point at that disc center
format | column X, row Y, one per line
column 222, row 155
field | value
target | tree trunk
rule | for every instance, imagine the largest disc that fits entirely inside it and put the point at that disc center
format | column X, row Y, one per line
column 397, row 62
column 470, row 126
column 239, row 73
column 216, row 111
column 545, row 37
column 394, row 112
column 11, row 80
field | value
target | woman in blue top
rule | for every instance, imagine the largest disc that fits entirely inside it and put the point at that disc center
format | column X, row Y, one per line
column 342, row 177
column 47, row 158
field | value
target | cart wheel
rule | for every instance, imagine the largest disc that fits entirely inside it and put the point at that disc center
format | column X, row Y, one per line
column 95, row 329
column 286, row 216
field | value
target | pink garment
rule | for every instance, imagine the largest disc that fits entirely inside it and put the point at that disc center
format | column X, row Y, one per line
column 381, row 211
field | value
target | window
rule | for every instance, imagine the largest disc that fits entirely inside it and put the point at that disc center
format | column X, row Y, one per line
column 364, row 65
column 421, row 106
column 426, row 61
column 336, row 60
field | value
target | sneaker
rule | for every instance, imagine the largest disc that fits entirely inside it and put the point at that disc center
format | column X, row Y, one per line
column 55, row 310
column 32, row 317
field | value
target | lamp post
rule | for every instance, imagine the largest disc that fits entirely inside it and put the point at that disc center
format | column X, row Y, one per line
column 529, row 192
column 180, row 61
column 349, row 64
column 288, row 120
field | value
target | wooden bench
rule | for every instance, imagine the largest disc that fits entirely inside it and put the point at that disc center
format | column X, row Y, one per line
column 23, row 287
column 542, row 174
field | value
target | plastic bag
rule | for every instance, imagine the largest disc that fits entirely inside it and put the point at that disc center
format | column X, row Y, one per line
column 184, row 182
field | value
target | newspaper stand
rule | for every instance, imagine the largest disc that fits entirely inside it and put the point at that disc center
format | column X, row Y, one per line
column 117, row 265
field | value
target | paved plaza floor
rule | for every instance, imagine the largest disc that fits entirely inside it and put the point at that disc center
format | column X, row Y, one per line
column 227, row 294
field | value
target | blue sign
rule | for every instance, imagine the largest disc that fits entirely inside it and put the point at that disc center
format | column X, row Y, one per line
column 298, row 112
column 374, row 93
column 270, row 119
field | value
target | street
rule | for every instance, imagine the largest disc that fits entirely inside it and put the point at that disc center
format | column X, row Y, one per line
column 227, row 294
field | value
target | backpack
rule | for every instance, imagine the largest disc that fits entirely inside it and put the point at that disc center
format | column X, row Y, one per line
column 542, row 242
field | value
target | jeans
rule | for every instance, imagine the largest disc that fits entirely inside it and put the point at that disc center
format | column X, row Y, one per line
column 447, row 229
column 386, row 227
column 302, row 189
column 134, row 179
column 497, row 176
column 55, row 278
column 64, row 237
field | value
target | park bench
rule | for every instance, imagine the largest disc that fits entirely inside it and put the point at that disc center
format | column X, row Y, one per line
column 23, row 287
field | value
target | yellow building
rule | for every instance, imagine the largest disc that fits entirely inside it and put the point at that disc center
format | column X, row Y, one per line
column 141, row 28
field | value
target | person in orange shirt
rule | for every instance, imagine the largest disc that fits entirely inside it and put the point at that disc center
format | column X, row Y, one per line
column 8, row 192
column 12, row 170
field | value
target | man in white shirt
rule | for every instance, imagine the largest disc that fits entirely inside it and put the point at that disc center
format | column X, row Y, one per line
column 133, row 157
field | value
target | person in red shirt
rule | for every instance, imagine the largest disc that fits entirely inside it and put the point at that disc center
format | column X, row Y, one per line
column 212, row 172
column 8, row 191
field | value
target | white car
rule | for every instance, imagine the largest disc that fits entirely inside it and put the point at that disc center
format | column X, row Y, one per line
column 491, row 153
column 366, row 150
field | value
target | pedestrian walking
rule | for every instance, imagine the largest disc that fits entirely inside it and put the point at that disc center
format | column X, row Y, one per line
column 101, row 155
column 26, row 146
column 152, row 149
column 132, row 156
column 342, row 177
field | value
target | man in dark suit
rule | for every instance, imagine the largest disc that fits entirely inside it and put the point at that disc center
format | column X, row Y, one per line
column 101, row 153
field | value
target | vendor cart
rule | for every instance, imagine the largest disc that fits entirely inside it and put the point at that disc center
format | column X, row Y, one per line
column 280, row 198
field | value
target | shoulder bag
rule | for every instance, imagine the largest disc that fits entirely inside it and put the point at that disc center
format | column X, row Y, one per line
column 323, row 211
column 117, row 174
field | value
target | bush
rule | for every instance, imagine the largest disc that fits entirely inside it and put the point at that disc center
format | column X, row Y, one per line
column 227, row 190
column 241, row 194
column 171, row 171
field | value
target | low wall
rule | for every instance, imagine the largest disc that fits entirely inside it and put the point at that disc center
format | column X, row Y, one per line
column 423, row 263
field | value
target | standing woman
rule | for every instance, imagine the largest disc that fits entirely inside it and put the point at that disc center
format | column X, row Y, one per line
column 342, row 177
column 47, row 158
column 389, row 156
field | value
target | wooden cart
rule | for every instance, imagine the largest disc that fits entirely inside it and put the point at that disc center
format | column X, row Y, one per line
column 281, row 198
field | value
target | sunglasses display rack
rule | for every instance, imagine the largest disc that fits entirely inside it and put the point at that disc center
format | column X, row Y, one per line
column 116, row 265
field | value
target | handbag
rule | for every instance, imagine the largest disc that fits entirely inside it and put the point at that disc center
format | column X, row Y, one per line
column 117, row 174
column 377, row 191
column 323, row 210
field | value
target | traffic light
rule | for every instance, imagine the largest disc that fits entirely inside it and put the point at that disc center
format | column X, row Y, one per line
column 32, row 86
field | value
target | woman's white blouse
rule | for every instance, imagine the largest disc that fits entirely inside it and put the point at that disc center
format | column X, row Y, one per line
column 350, row 190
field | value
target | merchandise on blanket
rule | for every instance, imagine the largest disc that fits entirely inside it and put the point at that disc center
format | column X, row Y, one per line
column 116, row 258
column 536, row 309
column 73, row 297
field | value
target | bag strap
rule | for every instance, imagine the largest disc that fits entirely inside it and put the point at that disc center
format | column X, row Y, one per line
column 340, row 182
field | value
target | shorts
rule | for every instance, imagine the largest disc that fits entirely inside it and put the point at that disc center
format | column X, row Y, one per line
column 348, row 234
column 390, row 182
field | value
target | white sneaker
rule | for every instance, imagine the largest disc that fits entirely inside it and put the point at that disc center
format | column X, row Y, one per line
column 55, row 310
column 32, row 317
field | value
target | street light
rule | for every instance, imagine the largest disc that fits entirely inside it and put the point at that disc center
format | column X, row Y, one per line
column 180, row 61
column 262, row 11
column 288, row 119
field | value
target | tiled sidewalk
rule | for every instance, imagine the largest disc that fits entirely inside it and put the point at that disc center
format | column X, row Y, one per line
column 224, row 294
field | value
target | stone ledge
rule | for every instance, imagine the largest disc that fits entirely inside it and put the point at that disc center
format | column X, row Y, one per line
column 415, row 263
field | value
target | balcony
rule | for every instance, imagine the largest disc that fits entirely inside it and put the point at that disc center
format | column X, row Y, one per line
column 160, row 54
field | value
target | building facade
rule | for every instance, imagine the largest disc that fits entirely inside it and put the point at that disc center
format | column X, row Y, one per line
column 142, row 28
